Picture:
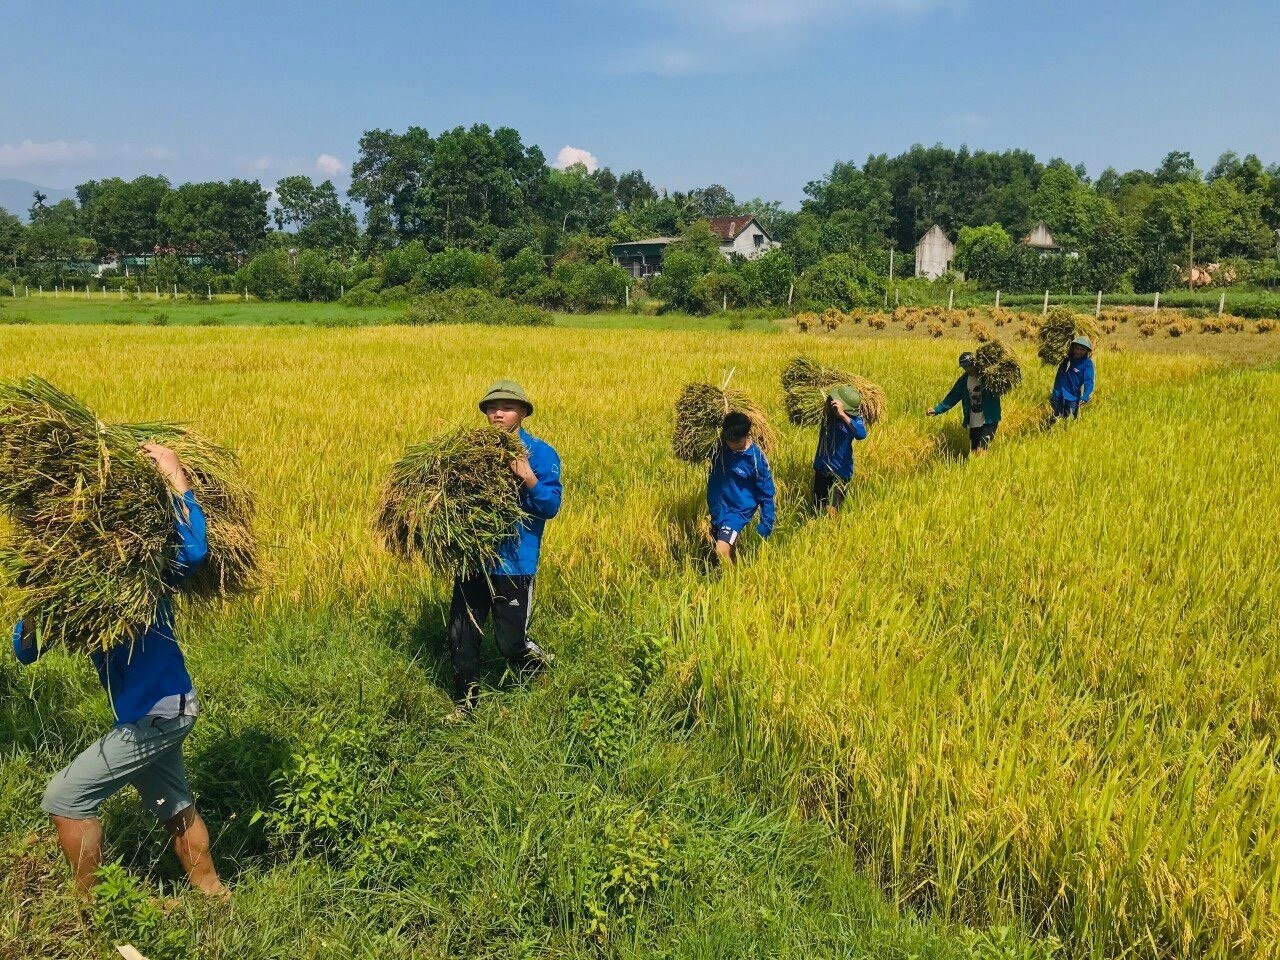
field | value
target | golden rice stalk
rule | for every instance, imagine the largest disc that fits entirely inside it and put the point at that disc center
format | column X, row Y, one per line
column 700, row 413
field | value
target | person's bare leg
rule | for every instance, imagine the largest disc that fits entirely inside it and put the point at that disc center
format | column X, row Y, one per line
column 191, row 844
column 724, row 553
column 81, row 842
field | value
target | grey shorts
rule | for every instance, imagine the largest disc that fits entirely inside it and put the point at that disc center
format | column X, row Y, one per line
column 147, row 754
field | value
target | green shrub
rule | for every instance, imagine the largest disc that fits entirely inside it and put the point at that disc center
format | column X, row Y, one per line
column 466, row 305
column 363, row 294
column 126, row 914
column 159, row 319
column 337, row 322
column 211, row 321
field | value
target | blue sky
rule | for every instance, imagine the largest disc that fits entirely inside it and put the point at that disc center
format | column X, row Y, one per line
column 759, row 96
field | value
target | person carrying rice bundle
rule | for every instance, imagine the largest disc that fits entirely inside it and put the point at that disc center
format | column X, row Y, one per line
column 504, row 591
column 1073, row 383
column 155, row 708
column 739, row 483
column 842, row 424
column 981, row 406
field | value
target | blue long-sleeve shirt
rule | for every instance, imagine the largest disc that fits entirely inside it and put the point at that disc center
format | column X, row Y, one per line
column 148, row 674
column 518, row 556
column 1074, row 381
column 835, row 445
column 738, row 484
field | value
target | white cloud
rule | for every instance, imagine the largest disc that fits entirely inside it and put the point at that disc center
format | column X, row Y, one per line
column 714, row 36
column 328, row 164
column 31, row 153
column 568, row 156
column 263, row 163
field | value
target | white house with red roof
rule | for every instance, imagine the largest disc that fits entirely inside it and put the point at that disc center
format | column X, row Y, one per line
column 742, row 235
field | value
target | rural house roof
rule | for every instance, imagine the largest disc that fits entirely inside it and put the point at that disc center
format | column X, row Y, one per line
column 1040, row 238
column 933, row 231
column 651, row 242
column 728, row 228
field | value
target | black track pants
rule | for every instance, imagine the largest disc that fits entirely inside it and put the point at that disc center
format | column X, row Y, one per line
column 508, row 599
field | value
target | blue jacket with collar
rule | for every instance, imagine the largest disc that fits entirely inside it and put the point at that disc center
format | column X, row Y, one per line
column 835, row 445
column 1073, row 382
column 138, row 675
column 739, row 483
column 518, row 555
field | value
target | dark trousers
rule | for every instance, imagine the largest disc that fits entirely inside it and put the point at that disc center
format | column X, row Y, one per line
column 1062, row 409
column 828, row 491
column 980, row 437
column 474, row 600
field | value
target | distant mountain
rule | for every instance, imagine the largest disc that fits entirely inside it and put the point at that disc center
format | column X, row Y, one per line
column 15, row 196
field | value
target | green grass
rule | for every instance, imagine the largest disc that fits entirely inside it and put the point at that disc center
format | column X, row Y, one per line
column 226, row 311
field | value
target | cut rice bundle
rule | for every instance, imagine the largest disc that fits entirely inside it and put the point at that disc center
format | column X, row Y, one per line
column 807, row 383
column 1058, row 329
column 998, row 368
column 453, row 500
column 700, row 413
column 92, row 548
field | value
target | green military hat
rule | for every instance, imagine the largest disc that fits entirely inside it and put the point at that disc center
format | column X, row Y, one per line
column 507, row 390
column 849, row 398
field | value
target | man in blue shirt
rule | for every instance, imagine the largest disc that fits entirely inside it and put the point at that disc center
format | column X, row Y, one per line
column 506, row 591
column 738, row 484
column 842, row 424
column 1073, row 383
column 155, row 707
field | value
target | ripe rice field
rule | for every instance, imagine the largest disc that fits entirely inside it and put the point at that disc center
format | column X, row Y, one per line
column 1039, row 688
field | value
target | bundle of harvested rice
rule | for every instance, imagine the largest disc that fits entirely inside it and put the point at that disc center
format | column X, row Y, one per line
column 1058, row 329
column 93, row 548
column 998, row 368
column 700, row 413
column 453, row 500
column 806, row 384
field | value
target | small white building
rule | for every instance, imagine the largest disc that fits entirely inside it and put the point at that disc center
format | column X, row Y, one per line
column 934, row 253
column 742, row 235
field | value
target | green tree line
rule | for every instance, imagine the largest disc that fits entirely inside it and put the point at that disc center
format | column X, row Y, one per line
column 477, row 207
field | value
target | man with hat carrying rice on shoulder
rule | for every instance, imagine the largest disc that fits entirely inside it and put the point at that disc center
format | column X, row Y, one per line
column 506, row 591
column 1073, row 383
column 842, row 424
column 981, row 406
column 155, row 708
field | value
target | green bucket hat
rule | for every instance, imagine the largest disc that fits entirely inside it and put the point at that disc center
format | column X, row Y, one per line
column 1083, row 341
column 849, row 398
column 507, row 390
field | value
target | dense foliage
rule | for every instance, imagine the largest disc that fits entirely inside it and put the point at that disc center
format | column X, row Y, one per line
column 477, row 207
